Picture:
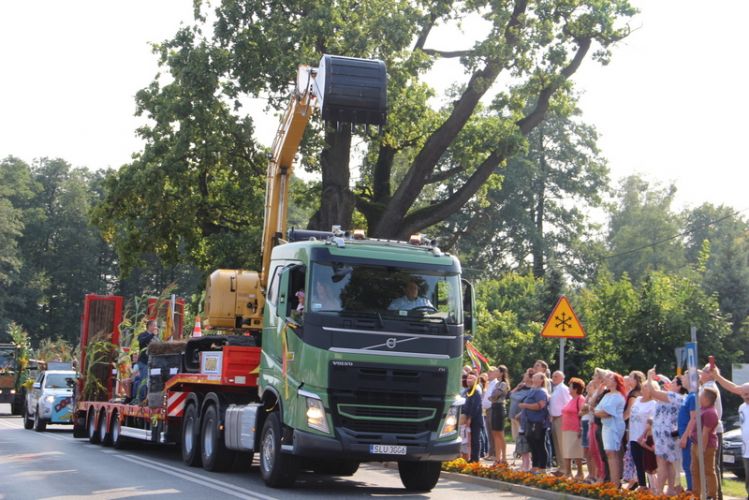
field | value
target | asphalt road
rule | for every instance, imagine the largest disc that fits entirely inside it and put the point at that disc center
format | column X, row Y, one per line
column 53, row 465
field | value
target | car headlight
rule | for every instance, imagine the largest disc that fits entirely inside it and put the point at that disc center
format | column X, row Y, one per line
column 49, row 399
column 12, row 391
column 450, row 426
column 316, row 415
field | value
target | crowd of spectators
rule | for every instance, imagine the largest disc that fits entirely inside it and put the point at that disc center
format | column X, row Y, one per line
column 636, row 430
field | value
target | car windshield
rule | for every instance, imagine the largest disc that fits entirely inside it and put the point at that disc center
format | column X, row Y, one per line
column 59, row 381
column 385, row 290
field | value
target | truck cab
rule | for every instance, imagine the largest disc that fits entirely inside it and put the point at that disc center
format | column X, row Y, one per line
column 362, row 350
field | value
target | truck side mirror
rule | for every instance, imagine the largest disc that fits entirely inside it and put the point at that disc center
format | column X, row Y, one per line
column 37, row 385
column 469, row 310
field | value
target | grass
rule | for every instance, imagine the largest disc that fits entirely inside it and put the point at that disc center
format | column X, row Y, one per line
column 732, row 486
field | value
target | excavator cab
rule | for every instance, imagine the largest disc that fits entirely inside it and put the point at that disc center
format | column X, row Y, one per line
column 351, row 90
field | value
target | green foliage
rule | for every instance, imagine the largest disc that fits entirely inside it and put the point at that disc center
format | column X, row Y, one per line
column 195, row 193
column 55, row 350
column 537, row 212
column 644, row 232
column 61, row 256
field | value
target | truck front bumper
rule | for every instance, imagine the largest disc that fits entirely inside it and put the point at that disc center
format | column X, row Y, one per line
column 310, row 445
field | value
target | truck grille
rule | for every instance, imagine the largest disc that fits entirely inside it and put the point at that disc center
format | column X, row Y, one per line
column 377, row 403
column 403, row 414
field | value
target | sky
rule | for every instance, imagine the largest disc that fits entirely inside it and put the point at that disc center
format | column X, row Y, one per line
column 670, row 106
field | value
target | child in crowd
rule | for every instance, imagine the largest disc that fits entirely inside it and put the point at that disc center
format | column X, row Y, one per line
column 648, row 457
column 710, row 419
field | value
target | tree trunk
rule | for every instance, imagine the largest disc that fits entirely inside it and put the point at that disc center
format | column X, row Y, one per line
column 337, row 202
column 537, row 247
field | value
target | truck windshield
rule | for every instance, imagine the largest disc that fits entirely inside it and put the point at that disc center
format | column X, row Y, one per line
column 386, row 290
column 7, row 360
column 59, row 381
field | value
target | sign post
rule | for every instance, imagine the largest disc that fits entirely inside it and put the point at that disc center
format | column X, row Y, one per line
column 563, row 324
column 694, row 386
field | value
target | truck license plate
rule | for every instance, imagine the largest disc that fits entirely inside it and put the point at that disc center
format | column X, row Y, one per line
column 386, row 449
column 729, row 459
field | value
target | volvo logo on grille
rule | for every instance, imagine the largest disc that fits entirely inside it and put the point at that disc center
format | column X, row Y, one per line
column 391, row 343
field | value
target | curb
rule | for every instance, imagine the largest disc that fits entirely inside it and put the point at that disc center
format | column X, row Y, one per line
column 512, row 487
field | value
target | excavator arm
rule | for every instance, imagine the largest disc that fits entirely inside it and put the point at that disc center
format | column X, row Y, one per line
column 348, row 91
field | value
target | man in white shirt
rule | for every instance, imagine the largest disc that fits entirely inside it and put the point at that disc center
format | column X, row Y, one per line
column 560, row 396
column 493, row 374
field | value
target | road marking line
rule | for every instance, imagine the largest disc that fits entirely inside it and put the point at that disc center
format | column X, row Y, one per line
column 188, row 476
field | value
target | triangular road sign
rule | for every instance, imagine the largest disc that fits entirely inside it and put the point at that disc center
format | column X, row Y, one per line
column 563, row 323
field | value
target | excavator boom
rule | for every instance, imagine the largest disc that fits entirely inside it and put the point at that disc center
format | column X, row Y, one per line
column 348, row 91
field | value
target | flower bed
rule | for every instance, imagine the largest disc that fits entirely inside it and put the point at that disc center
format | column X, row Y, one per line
column 603, row 491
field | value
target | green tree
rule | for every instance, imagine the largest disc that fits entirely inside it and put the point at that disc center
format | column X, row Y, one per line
column 644, row 232
column 64, row 257
column 195, row 193
column 538, row 212
column 726, row 271
column 535, row 46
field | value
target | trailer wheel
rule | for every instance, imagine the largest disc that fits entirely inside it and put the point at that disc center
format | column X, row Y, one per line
column 93, row 431
column 215, row 455
column 39, row 424
column 419, row 476
column 278, row 470
column 105, row 438
column 28, row 423
column 115, row 430
column 191, row 437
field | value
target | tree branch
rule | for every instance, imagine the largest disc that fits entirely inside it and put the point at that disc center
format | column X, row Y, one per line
column 448, row 54
column 441, row 176
column 440, row 139
column 425, row 217
column 529, row 122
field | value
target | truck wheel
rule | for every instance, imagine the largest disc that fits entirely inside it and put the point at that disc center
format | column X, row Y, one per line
column 39, row 424
column 28, row 423
column 191, row 437
column 215, row 455
column 336, row 467
column 115, row 429
column 105, row 438
column 278, row 470
column 93, row 431
column 419, row 476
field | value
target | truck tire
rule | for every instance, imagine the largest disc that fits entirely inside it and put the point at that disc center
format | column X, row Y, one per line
column 419, row 476
column 115, row 430
column 278, row 470
column 191, row 437
column 39, row 424
column 336, row 467
column 105, row 438
column 215, row 455
column 91, row 427
column 28, row 423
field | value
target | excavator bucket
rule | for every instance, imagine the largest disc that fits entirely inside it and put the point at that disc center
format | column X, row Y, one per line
column 352, row 90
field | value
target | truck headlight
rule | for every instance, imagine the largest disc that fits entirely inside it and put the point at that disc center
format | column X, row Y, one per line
column 12, row 391
column 49, row 399
column 450, row 426
column 316, row 415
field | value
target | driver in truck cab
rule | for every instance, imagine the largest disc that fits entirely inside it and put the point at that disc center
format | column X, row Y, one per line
column 411, row 299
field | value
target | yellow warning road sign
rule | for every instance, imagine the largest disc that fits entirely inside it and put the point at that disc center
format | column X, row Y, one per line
column 563, row 323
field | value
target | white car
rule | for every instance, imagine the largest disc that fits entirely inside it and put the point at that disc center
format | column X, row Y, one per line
column 50, row 400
